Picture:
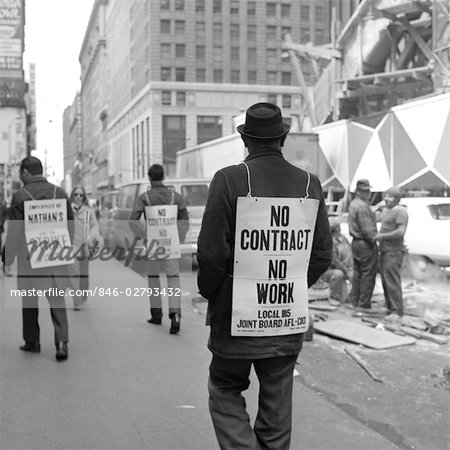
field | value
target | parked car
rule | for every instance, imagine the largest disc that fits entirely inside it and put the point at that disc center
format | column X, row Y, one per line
column 108, row 204
column 194, row 193
column 428, row 231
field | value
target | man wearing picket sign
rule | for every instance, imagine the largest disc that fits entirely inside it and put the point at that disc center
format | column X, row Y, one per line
column 39, row 234
column 166, row 225
column 265, row 238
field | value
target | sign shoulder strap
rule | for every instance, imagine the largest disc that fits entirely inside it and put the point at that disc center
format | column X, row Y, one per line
column 29, row 193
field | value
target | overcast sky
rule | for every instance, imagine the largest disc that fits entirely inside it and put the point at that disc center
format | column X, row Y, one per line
column 54, row 32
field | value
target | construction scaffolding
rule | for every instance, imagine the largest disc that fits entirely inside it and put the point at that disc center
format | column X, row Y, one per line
column 389, row 52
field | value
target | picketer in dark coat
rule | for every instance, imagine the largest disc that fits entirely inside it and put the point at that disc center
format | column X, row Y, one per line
column 273, row 357
column 36, row 187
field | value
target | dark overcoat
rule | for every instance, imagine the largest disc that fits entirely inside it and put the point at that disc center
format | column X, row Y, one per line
column 271, row 176
column 28, row 278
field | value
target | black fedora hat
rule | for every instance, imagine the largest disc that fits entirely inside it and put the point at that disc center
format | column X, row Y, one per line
column 263, row 121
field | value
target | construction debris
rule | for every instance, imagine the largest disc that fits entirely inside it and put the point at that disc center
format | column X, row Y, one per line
column 358, row 359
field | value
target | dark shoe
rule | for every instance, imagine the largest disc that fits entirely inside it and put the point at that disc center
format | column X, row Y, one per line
column 155, row 320
column 61, row 351
column 175, row 325
column 33, row 347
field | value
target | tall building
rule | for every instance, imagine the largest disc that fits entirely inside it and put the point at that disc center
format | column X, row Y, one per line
column 13, row 120
column 72, row 144
column 162, row 75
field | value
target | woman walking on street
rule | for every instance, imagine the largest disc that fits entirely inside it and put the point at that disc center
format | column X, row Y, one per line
column 86, row 234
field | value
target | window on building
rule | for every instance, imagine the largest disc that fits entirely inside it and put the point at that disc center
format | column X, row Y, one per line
column 251, row 33
column 164, row 4
column 218, row 54
column 285, row 10
column 251, row 8
column 200, row 75
column 166, row 98
column 181, row 98
column 218, row 76
column 251, row 55
column 272, row 55
column 208, row 128
column 165, row 26
column 286, row 78
column 217, row 6
column 272, row 77
column 271, row 33
column 272, row 98
column 235, row 76
column 166, row 73
column 174, row 137
column 319, row 14
column 200, row 29
column 180, row 27
column 217, row 32
column 200, row 52
column 234, row 7
column 180, row 74
column 285, row 30
column 271, row 9
column 319, row 36
column 180, row 50
column 286, row 101
column 251, row 77
column 199, row 5
column 304, row 12
column 179, row 5
column 234, row 32
column 234, row 54
column 166, row 50
column 304, row 35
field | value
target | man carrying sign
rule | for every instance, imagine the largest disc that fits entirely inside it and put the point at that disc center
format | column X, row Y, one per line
column 53, row 279
column 165, row 213
column 265, row 238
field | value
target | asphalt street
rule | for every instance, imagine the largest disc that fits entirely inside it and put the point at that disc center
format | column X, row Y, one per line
column 131, row 385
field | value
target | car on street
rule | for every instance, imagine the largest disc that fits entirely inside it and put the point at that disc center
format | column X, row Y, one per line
column 107, row 206
column 194, row 192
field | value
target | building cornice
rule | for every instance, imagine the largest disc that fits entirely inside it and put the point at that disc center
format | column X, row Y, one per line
column 202, row 87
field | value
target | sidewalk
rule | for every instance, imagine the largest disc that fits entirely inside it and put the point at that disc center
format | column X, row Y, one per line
column 129, row 385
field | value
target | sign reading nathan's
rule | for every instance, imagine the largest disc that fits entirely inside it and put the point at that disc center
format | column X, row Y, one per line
column 273, row 244
column 46, row 232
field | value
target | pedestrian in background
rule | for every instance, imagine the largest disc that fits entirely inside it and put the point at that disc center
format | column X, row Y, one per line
column 363, row 228
column 37, row 188
column 159, row 194
column 263, row 178
column 394, row 221
column 87, row 233
column 4, row 211
column 341, row 268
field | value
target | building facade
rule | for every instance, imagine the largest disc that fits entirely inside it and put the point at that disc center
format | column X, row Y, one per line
column 169, row 74
column 73, row 144
column 13, row 119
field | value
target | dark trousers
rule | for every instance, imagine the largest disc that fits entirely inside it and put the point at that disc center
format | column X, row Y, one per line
column 30, row 314
column 228, row 378
column 390, row 268
column 364, row 272
column 81, row 281
column 171, row 268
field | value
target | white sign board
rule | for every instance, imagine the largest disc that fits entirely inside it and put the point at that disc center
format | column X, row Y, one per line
column 46, row 232
column 162, row 232
column 273, row 244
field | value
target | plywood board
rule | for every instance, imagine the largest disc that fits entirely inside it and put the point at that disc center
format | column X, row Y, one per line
column 361, row 334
